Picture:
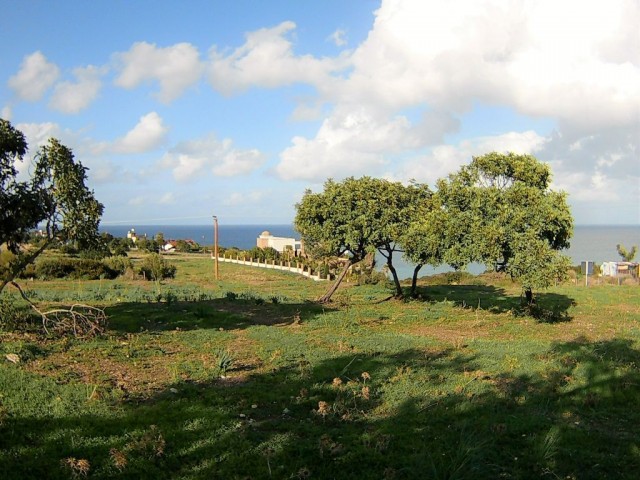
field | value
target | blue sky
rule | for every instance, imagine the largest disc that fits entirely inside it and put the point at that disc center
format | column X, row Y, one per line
column 183, row 110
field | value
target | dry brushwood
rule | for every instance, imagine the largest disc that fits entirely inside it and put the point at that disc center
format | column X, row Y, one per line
column 83, row 321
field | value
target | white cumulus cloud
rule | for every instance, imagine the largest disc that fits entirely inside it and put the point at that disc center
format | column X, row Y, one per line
column 445, row 159
column 149, row 133
column 175, row 68
column 358, row 140
column 73, row 97
column 191, row 159
column 339, row 37
column 38, row 134
column 267, row 60
column 245, row 198
column 35, row 77
column 168, row 198
column 539, row 57
column 574, row 62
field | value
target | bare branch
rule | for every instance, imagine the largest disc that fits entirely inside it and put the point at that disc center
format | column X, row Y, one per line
column 84, row 321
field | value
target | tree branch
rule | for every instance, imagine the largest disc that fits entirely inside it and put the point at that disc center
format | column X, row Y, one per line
column 82, row 320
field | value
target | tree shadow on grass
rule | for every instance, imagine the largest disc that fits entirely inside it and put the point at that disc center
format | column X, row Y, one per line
column 416, row 413
column 549, row 307
column 222, row 313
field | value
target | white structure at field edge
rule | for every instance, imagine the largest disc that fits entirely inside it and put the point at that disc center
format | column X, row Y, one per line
column 281, row 244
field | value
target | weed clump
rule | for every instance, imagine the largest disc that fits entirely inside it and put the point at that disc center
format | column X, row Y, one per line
column 155, row 267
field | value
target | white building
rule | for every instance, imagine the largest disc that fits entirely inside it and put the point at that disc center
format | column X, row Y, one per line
column 615, row 269
column 281, row 244
column 131, row 235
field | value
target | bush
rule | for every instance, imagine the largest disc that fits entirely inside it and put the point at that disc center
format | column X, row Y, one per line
column 372, row 277
column 458, row 278
column 155, row 267
column 12, row 315
column 68, row 249
column 120, row 264
column 51, row 268
column 95, row 254
column 92, row 270
column 73, row 268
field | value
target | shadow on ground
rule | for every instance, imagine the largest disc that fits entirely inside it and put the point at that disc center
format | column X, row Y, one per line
column 223, row 313
column 549, row 307
column 577, row 420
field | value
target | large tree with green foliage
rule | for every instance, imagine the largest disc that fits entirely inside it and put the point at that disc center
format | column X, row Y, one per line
column 55, row 197
column 355, row 218
column 499, row 210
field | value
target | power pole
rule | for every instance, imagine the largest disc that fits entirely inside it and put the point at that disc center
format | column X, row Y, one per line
column 215, row 247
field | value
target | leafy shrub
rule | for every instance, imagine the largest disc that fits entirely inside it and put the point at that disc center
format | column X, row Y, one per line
column 454, row 278
column 231, row 296
column 92, row 270
column 147, row 244
column 68, row 249
column 50, row 268
column 12, row 315
column 155, row 267
column 95, row 254
column 120, row 264
column 73, row 268
column 373, row 277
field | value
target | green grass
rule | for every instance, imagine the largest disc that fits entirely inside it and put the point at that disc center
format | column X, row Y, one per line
column 203, row 379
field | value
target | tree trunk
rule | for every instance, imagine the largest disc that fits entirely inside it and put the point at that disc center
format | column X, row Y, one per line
column 528, row 295
column 21, row 264
column 394, row 274
column 327, row 296
column 414, row 279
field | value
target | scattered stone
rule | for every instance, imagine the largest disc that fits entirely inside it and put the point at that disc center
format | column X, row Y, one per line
column 12, row 357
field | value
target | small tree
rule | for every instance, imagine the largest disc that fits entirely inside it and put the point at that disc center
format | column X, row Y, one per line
column 159, row 238
column 627, row 256
column 155, row 267
column 148, row 244
column 56, row 197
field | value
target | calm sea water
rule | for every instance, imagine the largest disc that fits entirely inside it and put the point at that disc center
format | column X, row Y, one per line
column 592, row 243
column 243, row 237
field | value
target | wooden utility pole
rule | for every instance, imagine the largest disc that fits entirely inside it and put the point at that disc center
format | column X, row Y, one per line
column 215, row 247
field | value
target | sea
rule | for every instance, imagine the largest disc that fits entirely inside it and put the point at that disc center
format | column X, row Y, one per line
column 594, row 243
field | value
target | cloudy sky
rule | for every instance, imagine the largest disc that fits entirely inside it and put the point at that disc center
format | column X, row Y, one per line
column 183, row 110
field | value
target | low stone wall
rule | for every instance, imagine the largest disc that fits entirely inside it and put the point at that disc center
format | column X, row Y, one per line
column 293, row 267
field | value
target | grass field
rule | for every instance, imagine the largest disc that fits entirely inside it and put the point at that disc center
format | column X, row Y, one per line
column 247, row 378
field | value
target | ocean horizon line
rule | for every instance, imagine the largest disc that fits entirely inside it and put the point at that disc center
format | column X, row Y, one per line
column 120, row 224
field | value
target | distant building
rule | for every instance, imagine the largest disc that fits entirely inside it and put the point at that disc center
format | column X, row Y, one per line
column 281, row 244
column 131, row 234
column 617, row 269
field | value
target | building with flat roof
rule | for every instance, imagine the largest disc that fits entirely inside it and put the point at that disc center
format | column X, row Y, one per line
column 281, row 244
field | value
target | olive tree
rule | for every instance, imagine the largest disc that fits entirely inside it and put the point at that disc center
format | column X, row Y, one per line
column 355, row 218
column 499, row 210
column 55, row 197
